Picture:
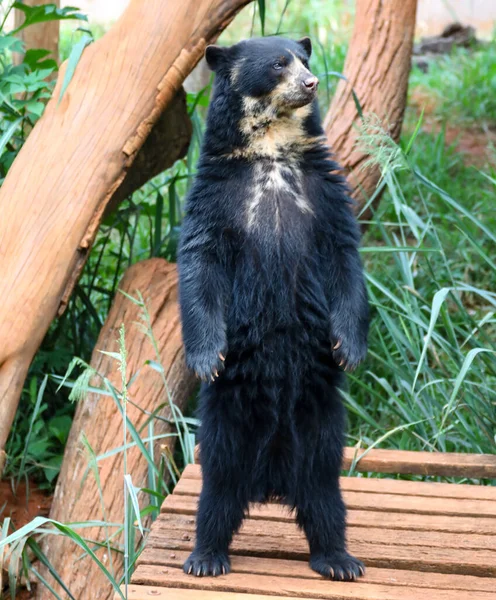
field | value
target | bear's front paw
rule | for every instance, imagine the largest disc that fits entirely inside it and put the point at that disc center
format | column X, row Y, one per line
column 339, row 566
column 207, row 564
column 348, row 352
column 207, row 364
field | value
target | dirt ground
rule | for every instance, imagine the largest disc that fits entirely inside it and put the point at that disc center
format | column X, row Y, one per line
column 23, row 504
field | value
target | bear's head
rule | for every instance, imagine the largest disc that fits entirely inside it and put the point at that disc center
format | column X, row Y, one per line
column 269, row 71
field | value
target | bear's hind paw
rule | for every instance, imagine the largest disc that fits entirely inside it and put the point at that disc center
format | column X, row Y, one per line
column 207, row 564
column 339, row 566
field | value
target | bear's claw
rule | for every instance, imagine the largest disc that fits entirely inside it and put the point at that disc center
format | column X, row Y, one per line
column 339, row 566
column 210, row 564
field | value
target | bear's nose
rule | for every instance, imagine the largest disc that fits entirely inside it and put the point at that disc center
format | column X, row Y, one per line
column 311, row 83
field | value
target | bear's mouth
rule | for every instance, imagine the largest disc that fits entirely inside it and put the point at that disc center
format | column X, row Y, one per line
column 299, row 98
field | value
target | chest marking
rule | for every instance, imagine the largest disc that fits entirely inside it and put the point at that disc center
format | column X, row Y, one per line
column 276, row 183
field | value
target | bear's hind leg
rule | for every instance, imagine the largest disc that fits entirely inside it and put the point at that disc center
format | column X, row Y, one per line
column 220, row 514
column 322, row 516
column 320, row 510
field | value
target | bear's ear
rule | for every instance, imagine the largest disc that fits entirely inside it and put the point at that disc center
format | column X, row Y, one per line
column 306, row 44
column 215, row 56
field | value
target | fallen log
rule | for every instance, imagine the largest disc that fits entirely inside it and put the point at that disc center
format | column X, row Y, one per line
column 77, row 496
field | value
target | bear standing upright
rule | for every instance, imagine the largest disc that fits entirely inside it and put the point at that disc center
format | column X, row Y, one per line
column 273, row 304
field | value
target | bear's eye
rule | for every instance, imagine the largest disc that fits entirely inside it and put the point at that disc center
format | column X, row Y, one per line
column 277, row 65
column 305, row 63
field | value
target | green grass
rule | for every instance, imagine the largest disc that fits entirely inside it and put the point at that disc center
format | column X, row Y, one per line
column 463, row 84
column 433, row 312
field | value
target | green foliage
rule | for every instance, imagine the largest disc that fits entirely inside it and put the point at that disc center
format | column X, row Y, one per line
column 156, row 486
column 73, row 60
column 24, row 87
column 430, row 377
column 23, row 90
column 38, row 438
column 463, row 84
column 44, row 13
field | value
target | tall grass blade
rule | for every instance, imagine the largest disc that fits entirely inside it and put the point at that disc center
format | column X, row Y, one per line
column 36, row 411
column 73, row 61
column 437, row 302
column 261, row 10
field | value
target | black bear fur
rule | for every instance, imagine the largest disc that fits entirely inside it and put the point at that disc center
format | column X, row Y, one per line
column 273, row 303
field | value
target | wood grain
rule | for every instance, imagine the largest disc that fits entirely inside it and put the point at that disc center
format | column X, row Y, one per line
column 145, row 592
column 365, row 518
column 388, row 502
column 77, row 497
column 481, row 563
column 403, row 462
column 374, row 535
column 395, row 486
column 153, row 558
column 293, row 587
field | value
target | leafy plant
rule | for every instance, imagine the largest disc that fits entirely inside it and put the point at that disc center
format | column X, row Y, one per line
column 44, row 13
column 430, row 377
column 24, row 87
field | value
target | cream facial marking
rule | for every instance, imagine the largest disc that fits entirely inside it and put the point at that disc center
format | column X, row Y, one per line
column 235, row 71
column 271, row 135
column 273, row 125
column 291, row 83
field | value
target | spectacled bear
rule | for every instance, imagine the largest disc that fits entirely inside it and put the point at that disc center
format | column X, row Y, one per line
column 273, row 304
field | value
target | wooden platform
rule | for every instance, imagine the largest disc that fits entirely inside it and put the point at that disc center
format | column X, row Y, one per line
column 432, row 541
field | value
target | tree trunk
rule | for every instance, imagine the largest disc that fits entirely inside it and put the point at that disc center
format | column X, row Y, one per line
column 97, row 417
column 77, row 156
column 377, row 68
column 41, row 35
column 167, row 142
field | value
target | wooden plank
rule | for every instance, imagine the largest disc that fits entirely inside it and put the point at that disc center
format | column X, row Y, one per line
column 387, row 502
column 396, row 486
column 422, row 463
column 146, row 592
column 293, row 587
column 366, row 518
column 480, row 563
column 404, row 462
column 158, row 557
column 290, row 532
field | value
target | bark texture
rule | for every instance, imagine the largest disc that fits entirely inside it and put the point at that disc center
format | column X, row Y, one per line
column 75, row 159
column 377, row 67
column 97, row 417
column 167, row 142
